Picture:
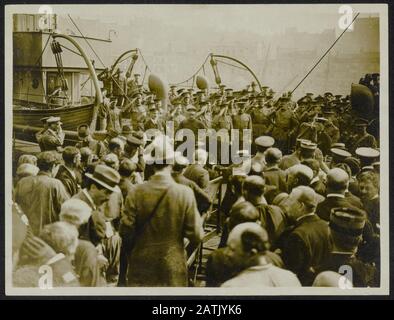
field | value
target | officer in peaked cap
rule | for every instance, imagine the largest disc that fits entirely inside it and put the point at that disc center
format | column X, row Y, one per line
column 339, row 145
column 339, row 156
column 362, row 138
column 53, row 137
column 264, row 142
column 367, row 157
column 40, row 133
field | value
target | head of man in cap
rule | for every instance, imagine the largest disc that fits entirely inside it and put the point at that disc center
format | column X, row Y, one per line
column 243, row 212
column 367, row 156
column 27, row 158
column 273, row 157
column 299, row 175
column 48, row 161
column 307, row 149
column 339, row 155
column 360, row 126
column 102, row 183
column 26, row 170
column 75, row 212
column 62, row 237
column 116, row 146
column 263, row 143
column 346, row 228
column 54, row 124
column 337, row 181
column 133, row 145
column 190, row 111
column 84, row 136
column 111, row 160
column 253, row 189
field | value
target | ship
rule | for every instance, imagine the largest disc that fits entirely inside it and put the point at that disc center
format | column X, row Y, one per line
column 53, row 76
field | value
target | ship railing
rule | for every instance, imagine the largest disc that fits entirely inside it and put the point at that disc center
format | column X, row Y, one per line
column 195, row 258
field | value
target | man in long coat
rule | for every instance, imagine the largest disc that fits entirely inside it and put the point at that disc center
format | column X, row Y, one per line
column 40, row 197
column 159, row 214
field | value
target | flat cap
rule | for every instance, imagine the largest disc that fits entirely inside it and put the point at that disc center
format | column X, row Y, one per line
column 264, row 141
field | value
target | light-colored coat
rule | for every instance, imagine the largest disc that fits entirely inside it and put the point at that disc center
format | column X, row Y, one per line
column 158, row 256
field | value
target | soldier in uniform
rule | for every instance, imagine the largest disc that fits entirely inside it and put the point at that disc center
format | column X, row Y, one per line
column 40, row 133
column 86, row 140
column 138, row 113
column 153, row 121
column 106, row 78
column 191, row 122
column 262, row 121
column 362, row 138
column 119, row 87
column 53, row 137
column 285, row 123
column 241, row 120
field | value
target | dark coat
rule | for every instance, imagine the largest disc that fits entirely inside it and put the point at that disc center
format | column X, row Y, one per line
column 275, row 177
column 158, row 254
column 319, row 187
column 363, row 274
column 51, row 140
column 198, row 174
column 69, row 182
column 192, row 124
column 202, row 198
column 305, row 247
column 323, row 209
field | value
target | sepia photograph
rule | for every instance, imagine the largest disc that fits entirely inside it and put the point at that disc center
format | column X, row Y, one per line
column 200, row 150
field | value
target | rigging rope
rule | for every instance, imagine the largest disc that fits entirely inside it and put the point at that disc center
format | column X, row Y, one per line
column 86, row 41
column 328, row 50
column 77, row 53
column 199, row 69
column 143, row 59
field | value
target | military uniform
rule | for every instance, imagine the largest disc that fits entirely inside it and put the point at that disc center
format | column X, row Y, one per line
column 52, row 140
column 285, row 122
column 262, row 123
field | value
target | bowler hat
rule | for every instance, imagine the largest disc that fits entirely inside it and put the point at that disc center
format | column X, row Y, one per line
column 105, row 176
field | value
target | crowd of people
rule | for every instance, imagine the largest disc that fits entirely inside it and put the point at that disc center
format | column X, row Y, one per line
column 128, row 209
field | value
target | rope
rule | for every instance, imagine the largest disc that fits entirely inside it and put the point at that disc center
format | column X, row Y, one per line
column 340, row 36
column 87, row 41
column 77, row 53
column 199, row 69
column 143, row 59
column 143, row 79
